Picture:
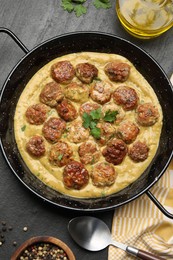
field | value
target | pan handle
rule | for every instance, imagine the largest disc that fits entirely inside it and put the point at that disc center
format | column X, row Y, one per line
column 159, row 205
column 15, row 38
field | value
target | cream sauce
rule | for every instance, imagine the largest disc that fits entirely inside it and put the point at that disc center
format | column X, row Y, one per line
column 128, row 171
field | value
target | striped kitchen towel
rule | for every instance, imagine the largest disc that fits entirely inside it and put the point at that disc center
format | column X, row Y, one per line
column 141, row 224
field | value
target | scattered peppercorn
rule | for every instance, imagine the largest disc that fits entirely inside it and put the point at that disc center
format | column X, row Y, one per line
column 10, row 228
column 43, row 251
column 14, row 243
column 25, row 229
column 4, row 228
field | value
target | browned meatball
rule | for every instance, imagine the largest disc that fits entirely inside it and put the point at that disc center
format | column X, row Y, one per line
column 89, row 152
column 101, row 92
column 88, row 107
column 127, row 131
column 62, row 72
column 51, row 94
column 77, row 133
column 115, row 151
column 107, row 132
column 86, row 72
column 35, row 146
column 60, row 154
column 103, row 174
column 125, row 97
column 117, row 71
column 147, row 114
column 138, row 152
column 36, row 114
column 75, row 176
column 53, row 129
column 76, row 92
column 66, row 110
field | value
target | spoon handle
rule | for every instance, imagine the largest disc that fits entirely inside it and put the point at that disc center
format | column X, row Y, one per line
column 142, row 254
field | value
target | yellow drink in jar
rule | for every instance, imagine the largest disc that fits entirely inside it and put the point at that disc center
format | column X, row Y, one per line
column 145, row 18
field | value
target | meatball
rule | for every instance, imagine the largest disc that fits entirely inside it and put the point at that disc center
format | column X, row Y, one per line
column 117, row 71
column 35, row 146
column 86, row 72
column 53, row 129
column 60, row 154
column 77, row 133
column 115, row 151
column 107, row 132
column 125, row 97
column 138, row 152
column 147, row 114
column 103, row 174
column 76, row 92
column 111, row 107
column 127, row 131
column 89, row 153
column 88, row 107
column 66, row 110
column 75, row 176
column 101, row 92
column 51, row 94
column 36, row 114
column 62, row 72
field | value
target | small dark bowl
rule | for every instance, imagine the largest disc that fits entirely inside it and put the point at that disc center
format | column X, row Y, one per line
column 45, row 239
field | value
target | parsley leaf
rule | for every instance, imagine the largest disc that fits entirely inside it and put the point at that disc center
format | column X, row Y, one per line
column 23, row 128
column 96, row 132
column 77, row 6
column 90, row 121
column 80, row 10
column 102, row 4
column 60, row 156
column 110, row 116
column 86, row 120
column 67, row 5
column 96, row 114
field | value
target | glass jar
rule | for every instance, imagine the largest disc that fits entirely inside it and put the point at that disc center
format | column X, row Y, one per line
column 145, row 18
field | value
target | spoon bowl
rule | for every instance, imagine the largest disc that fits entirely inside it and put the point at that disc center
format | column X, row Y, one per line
column 93, row 234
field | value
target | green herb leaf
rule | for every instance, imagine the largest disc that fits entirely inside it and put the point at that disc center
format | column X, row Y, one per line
column 79, row 1
column 86, row 120
column 96, row 132
column 80, row 10
column 60, row 157
column 110, row 116
column 105, row 4
column 23, row 128
column 67, row 5
column 96, row 114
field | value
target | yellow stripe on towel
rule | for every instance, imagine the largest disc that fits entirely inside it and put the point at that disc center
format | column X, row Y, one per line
column 141, row 224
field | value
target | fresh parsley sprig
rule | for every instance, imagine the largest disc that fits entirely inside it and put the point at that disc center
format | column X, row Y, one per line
column 91, row 119
column 78, row 7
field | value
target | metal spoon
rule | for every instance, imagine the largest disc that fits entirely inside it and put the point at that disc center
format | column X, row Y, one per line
column 94, row 235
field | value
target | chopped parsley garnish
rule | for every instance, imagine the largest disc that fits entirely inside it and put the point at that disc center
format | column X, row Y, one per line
column 78, row 7
column 110, row 116
column 91, row 119
column 60, row 157
column 23, row 128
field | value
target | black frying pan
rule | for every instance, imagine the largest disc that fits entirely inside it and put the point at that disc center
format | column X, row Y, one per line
column 77, row 42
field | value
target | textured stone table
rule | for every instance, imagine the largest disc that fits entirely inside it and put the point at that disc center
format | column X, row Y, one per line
column 34, row 22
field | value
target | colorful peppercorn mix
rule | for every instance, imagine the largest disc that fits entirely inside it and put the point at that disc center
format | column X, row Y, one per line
column 43, row 251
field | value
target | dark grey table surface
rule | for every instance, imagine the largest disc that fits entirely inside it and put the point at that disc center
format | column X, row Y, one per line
column 34, row 22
